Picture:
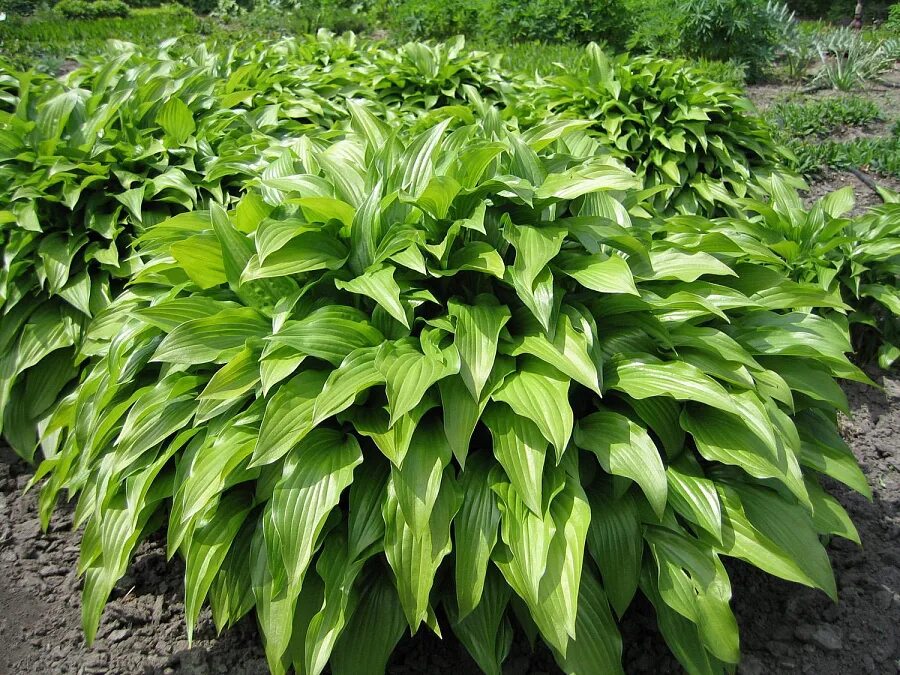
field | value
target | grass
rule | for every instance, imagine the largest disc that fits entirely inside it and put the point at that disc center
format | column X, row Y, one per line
column 46, row 40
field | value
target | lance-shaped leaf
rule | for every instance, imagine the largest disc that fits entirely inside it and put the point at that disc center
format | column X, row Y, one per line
column 624, row 448
column 356, row 374
column 540, row 393
column 313, row 477
column 376, row 626
column 616, row 544
column 207, row 549
column 644, row 377
column 288, row 416
column 693, row 582
column 207, row 339
column 597, row 644
column 486, row 632
column 475, row 533
column 380, row 285
column 415, row 555
column 604, row 274
column 477, row 330
column 556, row 611
column 417, row 482
column 569, row 351
column 408, row 373
column 521, row 450
column 330, row 333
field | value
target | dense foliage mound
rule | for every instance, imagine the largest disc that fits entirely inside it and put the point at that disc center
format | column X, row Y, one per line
column 696, row 141
column 376, row 352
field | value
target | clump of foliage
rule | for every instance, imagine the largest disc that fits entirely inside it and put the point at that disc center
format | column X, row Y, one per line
column 377, row 346
column 558, row 20
column 879, row 154
column 855, row 258
column 748, row 31
column 849, row 60
column 823, row 117
column 42, row 42
column 269, row 359
column 92, row 9
column 437, row 19
column 892, row 24
column 694, row 141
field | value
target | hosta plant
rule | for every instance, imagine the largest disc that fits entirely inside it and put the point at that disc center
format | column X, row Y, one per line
column 698, row 143
column 466, row 383
column 857, row 259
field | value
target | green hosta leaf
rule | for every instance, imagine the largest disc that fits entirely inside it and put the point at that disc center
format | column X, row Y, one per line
column 521, row 450
column 625, row 449
column 765, row 530
column 308, row 252
column 477, row 329
column 556, row 612
column 393, row 441
column 379, row 285
column 486, row 632
column 569, row 351
column 338, row 571
column 526, row 538
column 376, row 626
column 540, row 393
column 417, row 483
column 597, row 646
column 573, row 184
column 694, row 497
column 288, row 417
column 461, row 414
column 475, row 533
column 674, row 264
column 723, row 438
column 313, row 477
column 330, row 333
column 200, row 257
column 415, row 555
column 604, row 274
column 693, row 582
column 823, row 449
column 176, row 120
column 234, row 378
column 207, row 549
column 829, row 517
column 207, row 339
column 356, row 374
column 535, row 248
column 644, row 377
column 615, row 542
column 408, row 373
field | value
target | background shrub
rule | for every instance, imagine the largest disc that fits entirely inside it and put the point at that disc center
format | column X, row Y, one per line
column 748, row 31
column 18, row 7
column 92, row 9
column 559, row 20
column 441, row 19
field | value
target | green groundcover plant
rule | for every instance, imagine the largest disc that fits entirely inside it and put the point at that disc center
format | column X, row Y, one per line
column 697, row 141
column 372, row 360
column 457, row 379
column 857, row 258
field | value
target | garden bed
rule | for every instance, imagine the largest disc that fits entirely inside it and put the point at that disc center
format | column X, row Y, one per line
column 784, row 627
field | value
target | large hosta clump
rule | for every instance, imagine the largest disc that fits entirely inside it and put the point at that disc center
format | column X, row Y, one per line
column 469, row 382
column 698, row 143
